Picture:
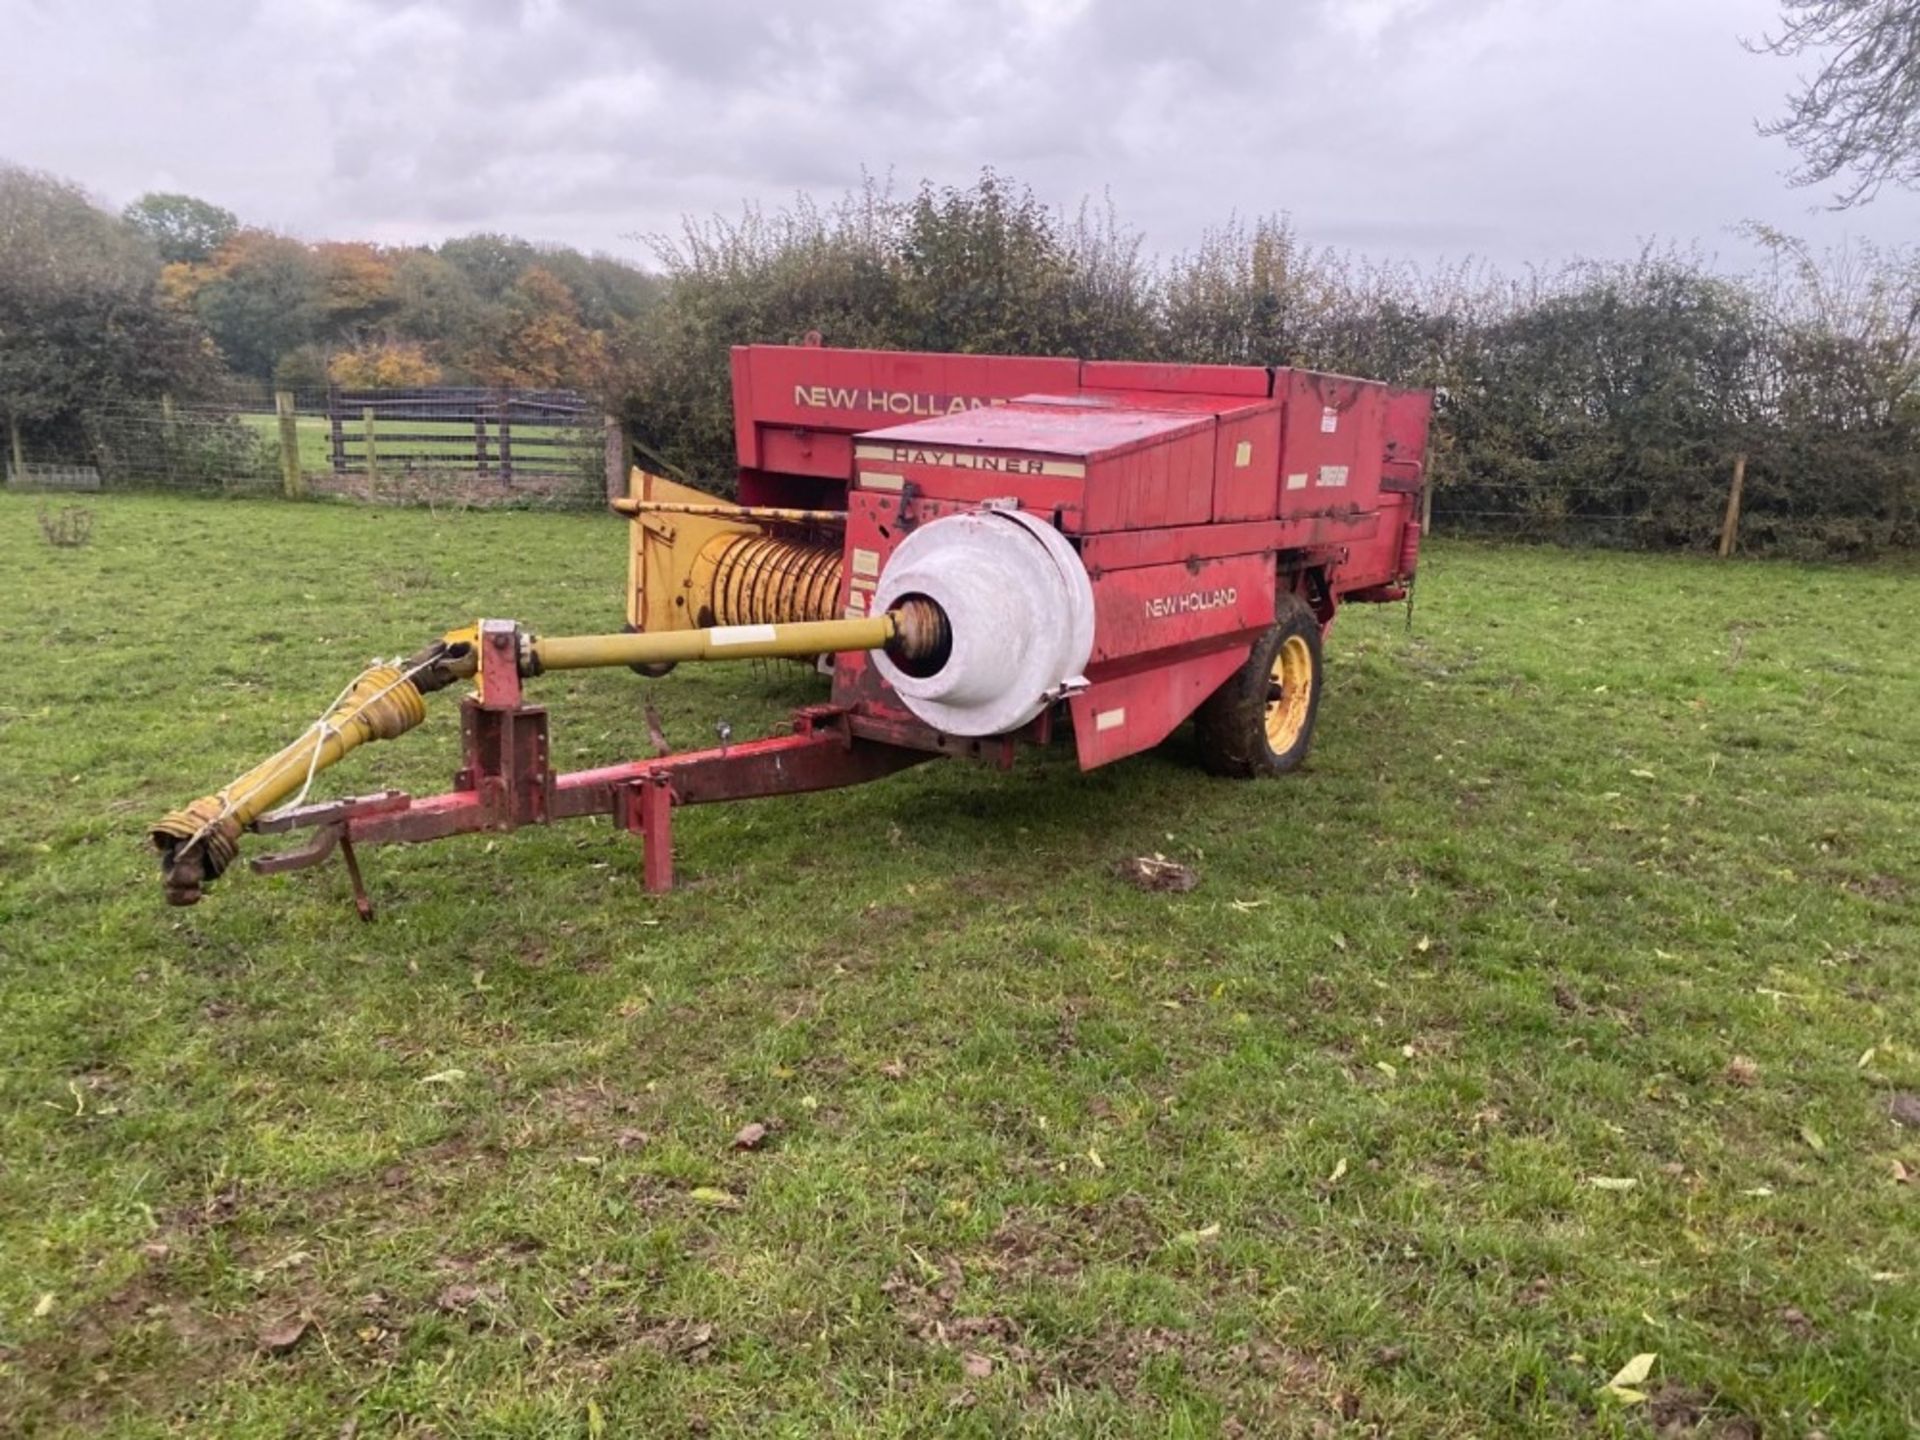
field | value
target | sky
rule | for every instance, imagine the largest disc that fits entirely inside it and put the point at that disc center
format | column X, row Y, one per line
column 1515, row 131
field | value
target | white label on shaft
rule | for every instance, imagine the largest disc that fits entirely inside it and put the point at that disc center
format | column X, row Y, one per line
column 1110, row 719
column 740, row 634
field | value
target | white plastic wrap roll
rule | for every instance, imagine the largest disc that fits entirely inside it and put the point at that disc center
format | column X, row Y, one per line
column 1020, row 607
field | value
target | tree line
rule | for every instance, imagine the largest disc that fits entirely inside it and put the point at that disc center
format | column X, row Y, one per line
column 1597, row 402
column 175, row 292
column 1593, row 402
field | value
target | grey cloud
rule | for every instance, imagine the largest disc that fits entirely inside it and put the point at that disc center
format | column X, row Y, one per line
column 1520, row 129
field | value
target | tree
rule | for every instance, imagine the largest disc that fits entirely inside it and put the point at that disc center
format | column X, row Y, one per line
column 383, row 365
column 491, row 262
column 83, row 321
column 182, row 228
column 1859, row 117
column 543, row 343
column 356, row 287
column 261, row 296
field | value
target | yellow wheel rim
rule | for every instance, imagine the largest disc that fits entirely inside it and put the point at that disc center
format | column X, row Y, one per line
column 1289, row 694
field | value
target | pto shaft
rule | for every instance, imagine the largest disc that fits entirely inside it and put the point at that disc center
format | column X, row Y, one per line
column 200, row 841
column 723, row 642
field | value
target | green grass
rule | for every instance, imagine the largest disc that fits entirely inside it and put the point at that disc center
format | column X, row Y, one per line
column 316, row 440
column 1606, row 872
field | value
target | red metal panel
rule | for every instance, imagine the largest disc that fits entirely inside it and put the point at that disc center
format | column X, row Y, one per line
column 1043, row 426
column 1170, row 483
column 1130, row 549
column 1246, row 466
column 806, row 452
column 1125, row 714
column 1409, row 418
column 1240, row 380
column 1334, row 443
column 745, row 432
column 799, row 387
column 1163, row 607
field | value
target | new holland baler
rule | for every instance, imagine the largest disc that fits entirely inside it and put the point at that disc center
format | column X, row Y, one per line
column 988, row 552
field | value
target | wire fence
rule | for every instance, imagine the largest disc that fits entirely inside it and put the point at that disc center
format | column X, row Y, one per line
column 457, row 448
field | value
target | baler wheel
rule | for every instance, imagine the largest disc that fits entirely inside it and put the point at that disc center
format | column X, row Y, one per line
column 1260, row 722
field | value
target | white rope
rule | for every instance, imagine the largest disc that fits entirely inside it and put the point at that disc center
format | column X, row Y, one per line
column 320, row 729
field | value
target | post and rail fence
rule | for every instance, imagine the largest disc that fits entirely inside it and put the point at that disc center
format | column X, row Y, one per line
column 466, row 446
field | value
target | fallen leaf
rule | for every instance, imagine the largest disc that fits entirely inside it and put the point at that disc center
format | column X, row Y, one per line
column 631, row 1139
column 750, row 1137
column 1093, row 1159
column 977, row 1366
column 1740, row 1071
column 443, row 1077
column 719, row 1199
column 1200, row 1236
column 1339, row 1171
column 456, row 1298
column 44, row 1307
column 1156, row 872
column 1759, row 1190
column 1612, row 1182
column 596, row 1417
column 1901, row 1175
column 1814, row 1142
column 1641, row 774
column 281, row 1337
column 1631, row 1374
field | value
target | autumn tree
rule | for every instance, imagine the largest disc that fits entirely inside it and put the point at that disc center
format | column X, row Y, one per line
column 383, row 365
column 262, row 295
column 356, row 287
column 1857, row 121
column 541, row 341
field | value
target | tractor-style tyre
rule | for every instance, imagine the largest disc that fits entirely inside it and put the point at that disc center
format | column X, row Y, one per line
column 1260, row 722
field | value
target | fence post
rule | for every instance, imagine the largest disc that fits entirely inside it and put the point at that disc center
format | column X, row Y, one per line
column 292, row 481
column 335, row 432
column 170, row 437
column 480, row 439
column 504, row 408
column 1730, row 527
column 615, row 452
column 13, row 444
column 1426, row 508
column 372, row 450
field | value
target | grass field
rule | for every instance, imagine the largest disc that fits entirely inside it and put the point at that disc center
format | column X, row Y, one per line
column 1556, row 1016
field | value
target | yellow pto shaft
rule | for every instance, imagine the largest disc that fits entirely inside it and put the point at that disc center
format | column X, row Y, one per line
column 200, row 841
column 196, row 844
column 722, row 642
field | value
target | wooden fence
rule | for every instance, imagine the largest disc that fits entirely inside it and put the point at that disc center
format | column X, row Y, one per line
column 493, row 434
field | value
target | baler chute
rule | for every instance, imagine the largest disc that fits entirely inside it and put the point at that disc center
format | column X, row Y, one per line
column 991, row 551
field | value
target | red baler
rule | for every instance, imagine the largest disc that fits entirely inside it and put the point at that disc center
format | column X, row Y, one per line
column 990, row 549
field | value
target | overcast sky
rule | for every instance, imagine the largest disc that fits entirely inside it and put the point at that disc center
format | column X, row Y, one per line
column 1517, row 130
